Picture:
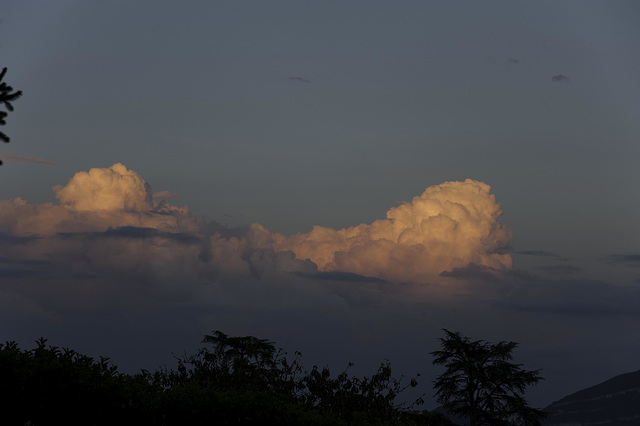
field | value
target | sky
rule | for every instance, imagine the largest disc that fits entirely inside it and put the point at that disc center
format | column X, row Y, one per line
column 343, row 178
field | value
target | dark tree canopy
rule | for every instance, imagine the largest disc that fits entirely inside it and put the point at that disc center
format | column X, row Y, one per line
column 7, row 96
column 231, row 381
column 482, row 384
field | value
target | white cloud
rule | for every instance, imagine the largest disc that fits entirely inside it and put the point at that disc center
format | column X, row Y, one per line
column 94, row 201
column 448, row 226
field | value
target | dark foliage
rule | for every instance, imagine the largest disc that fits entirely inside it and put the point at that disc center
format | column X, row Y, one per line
column 482, row 384
column 235, row 380
column 6, row 99
column 50, row 385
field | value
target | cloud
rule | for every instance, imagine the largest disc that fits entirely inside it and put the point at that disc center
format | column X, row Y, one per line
column 541, row 253
column 560, row 269
column 14, row 158
column 110, row 189
column 520, row 290
column 537, row 253
column 165, row 195
column 110, row 271
column 560, row 78
column 513, row 60
column 624, row 259
column 299, row 79
column 344, row 276
column 450, row 225
column 107, row 236
column 95, row 201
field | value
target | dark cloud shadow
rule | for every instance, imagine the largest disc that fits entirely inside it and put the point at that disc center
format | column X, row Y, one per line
column 542, row 253
column 559, row 269
column 632, row 260
column 343, row 276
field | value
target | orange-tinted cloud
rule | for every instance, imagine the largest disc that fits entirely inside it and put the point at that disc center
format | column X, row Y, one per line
column 448, row 226
column 108, row 262
column 94, row 201
column 15, row 158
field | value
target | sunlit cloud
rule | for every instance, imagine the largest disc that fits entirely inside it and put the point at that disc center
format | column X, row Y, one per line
column 95, row 201
column 107, row 258
column 14, row 158
column 449, row 225
column 107, row 231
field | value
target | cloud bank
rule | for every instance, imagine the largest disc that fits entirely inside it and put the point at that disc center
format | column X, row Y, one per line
column 114, row 269
column 448, row 226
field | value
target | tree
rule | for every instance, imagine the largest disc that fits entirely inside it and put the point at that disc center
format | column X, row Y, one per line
column 6, row 98
column 51, row 385
column 249, row 381
column 482, row 384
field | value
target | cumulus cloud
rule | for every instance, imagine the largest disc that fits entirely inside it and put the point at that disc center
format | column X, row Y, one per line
column 107, row 226
column 109, row 268
column 111, row 189
column 94, row 201
column 449, row 225
column 14, row 158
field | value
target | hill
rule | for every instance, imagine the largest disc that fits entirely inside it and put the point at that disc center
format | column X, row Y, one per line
column 615, row 402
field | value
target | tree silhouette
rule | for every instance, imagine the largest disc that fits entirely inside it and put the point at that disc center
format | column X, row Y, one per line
column 235, row 380
column 6, row 98
column 481, row 384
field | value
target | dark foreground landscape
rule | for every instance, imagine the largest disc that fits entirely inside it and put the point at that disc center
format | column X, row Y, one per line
column 234, row 380
column 246, row 380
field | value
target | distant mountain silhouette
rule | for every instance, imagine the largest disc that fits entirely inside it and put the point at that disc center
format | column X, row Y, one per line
column 615, row 402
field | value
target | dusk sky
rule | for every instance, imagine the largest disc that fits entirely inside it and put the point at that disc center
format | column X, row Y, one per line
column 345, row 178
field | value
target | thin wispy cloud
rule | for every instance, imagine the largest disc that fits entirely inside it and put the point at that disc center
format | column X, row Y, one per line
column 299, row 79
column 560, row 78
column 624, row 259
column 559, row 269
column 14, row 158
column 541, row 253
column 513, row 60
column 165, row 195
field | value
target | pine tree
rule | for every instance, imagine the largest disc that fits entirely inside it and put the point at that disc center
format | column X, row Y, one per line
column 6, row 98
column 482, row 384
